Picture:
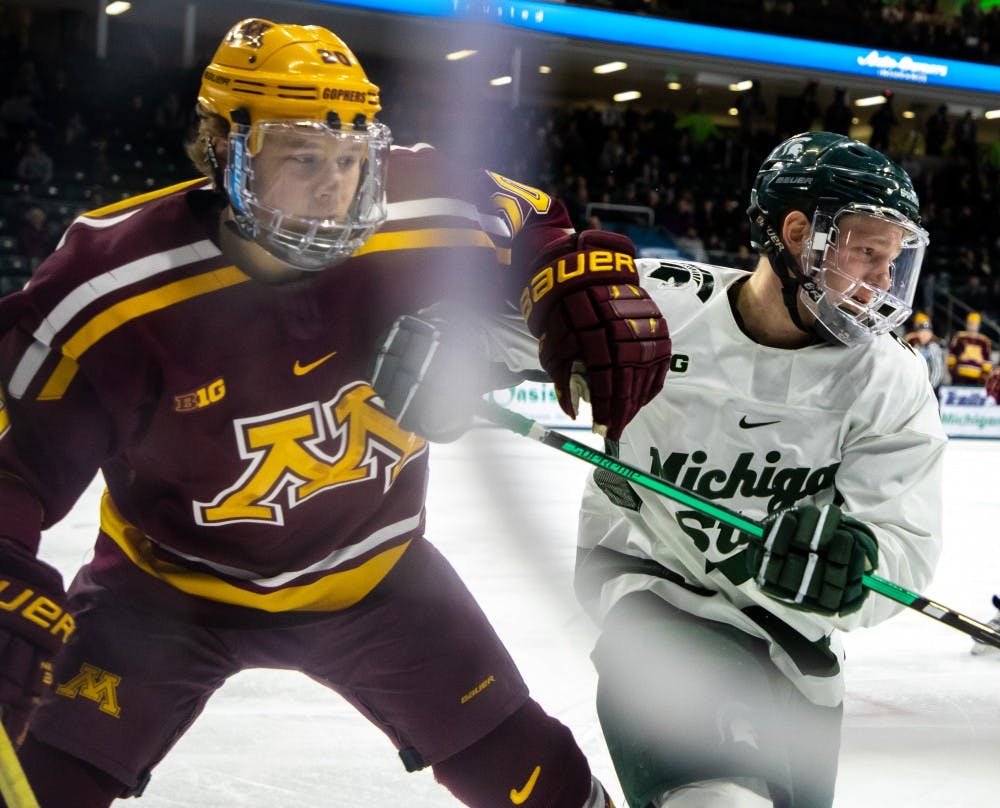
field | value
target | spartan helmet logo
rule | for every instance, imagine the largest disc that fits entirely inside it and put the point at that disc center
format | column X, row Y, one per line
column 250, row 33
column 794, row 149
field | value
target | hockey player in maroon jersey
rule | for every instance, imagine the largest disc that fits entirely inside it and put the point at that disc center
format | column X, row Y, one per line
column 969, row 354
column 207, row 348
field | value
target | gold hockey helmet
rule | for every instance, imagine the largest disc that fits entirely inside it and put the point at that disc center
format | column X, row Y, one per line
column 269, row 71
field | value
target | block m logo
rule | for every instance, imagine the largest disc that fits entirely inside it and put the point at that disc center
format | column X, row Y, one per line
column 94, row 684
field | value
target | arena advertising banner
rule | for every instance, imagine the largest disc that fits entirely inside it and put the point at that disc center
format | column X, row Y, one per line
column 683, row 37
column 967, row 412
column 537, row 401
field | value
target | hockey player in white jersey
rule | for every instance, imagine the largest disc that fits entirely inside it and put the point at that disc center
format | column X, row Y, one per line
column 789, row 399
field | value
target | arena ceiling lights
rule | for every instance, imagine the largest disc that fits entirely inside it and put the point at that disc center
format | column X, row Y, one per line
column 610, row 67
column 703, row 40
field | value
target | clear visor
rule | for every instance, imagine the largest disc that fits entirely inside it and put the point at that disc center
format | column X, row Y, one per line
column 863, row 263
column 308, row 193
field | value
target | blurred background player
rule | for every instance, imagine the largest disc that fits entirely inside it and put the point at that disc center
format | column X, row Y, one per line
column 982, row 648
column 206, row 347
column 993, row 385
column 923, row 340
column 969, row 354
column 720, row 662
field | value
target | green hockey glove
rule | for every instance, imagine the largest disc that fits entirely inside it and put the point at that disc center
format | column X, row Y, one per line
column 814, row 559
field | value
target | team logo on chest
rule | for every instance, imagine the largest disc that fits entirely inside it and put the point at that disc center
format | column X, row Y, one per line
column 783, row 484
column 295, row 454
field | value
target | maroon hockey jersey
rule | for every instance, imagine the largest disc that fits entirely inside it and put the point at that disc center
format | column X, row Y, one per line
column 246, row 458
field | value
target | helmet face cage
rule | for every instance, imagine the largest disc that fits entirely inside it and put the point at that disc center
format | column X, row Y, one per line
column 288, row 225
column 860, row 265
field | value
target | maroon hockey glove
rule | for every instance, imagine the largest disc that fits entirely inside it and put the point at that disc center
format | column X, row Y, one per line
column 814, row 559
column 34, row 625
column 993, row 385
column 594, row 322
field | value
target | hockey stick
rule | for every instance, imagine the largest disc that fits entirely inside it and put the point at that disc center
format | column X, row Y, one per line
column 532, row 429
column 14, row 784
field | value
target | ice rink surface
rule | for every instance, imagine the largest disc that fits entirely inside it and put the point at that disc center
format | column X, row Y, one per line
column 922, row 716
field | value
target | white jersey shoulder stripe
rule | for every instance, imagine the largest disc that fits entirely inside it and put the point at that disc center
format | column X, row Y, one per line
column 97, row 224
column 445, row 206
column 93, row 290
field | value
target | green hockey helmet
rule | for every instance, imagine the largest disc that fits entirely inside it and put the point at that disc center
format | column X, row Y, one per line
column 853, row 195
column 822, row 167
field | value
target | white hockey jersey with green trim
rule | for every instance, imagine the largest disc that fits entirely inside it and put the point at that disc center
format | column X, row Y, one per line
column 757, row 429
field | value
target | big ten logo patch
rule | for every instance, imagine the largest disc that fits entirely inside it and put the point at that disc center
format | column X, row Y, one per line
column 204, row 396
column 94, row 684
column 290, row 456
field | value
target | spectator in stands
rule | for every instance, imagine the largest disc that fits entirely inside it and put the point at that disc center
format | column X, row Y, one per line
column 170, row 118
column 72, row 144
column 925, row 343
column 691, row 244
column 809, row 105
column 882, row 122
column 965, row 137
column 35, row 165
column 700, row 127
column 936, row 132
column 974, row 292
column 837, row 117
column 35, row 239
column 135, row 126
column 18, row 113
column 613, row 152
column 752, row 110
column 681, row 217
column 969, row 354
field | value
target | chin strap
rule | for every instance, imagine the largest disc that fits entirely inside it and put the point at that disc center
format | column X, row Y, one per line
column 233, row 226
column 213, row 161
column 792, row 279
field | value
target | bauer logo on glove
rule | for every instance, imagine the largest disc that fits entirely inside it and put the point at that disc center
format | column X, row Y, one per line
column 567, row 270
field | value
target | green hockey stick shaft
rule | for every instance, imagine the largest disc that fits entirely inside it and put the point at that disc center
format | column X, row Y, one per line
column 532, row 429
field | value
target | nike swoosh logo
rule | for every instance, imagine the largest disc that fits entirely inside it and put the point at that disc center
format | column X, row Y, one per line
column 517, row 797
column 745, row 424
column 302, row 370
